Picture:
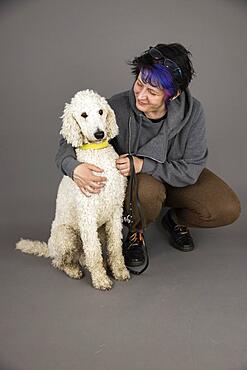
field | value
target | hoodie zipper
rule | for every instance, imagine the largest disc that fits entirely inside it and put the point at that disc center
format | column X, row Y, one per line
column 138, row 135
column 129, row 134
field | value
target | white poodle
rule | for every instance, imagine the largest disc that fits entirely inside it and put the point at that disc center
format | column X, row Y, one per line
column 82, row 222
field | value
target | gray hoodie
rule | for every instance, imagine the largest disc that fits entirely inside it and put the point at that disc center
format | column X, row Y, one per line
column 174, row 150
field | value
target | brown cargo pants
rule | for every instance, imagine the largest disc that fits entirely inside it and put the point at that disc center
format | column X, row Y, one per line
column 208, row 203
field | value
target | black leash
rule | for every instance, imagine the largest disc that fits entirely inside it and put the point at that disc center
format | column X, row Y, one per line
column 129, row 217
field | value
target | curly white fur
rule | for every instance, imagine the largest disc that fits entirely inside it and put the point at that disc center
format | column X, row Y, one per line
column 81, row 222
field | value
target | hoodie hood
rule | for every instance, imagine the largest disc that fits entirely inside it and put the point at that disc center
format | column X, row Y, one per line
column 178, row 112
column 164, row 140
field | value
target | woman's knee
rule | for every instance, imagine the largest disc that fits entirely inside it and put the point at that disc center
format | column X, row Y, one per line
column 230, row 210
column 151, row 192
column 216, row 200
column 211, row 203
column 210, row 215
column 222, row 213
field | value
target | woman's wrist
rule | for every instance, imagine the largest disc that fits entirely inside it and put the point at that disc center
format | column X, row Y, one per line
column 138, row 163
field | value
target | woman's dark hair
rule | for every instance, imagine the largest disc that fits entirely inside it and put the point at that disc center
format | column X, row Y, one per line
column 156, row 74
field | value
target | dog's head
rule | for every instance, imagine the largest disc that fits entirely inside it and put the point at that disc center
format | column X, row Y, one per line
column 87, row 119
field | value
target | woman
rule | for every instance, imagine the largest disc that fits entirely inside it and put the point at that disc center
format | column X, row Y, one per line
column 163, row 126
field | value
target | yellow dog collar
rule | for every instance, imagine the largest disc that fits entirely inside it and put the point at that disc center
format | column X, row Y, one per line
column 102, row 145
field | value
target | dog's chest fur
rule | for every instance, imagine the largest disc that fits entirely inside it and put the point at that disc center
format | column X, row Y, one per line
column 103, row 158
column 113, row 193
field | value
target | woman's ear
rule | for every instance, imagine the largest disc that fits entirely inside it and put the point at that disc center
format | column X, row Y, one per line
column 178, row 93
column 70, row 129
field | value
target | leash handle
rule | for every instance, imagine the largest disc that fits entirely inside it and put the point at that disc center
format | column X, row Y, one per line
column 134, row 186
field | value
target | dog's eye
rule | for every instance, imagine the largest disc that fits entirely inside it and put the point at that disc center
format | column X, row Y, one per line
column 84, row 115
column 101, row 112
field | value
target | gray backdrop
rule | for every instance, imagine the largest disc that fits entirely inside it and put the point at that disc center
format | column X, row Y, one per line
column 50, row 49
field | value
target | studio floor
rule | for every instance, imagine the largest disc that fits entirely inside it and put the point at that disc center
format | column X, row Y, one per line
column 186, row 312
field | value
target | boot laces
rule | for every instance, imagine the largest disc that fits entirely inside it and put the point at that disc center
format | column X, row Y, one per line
column 136, row 239
column 182, row 229
column 184, row 234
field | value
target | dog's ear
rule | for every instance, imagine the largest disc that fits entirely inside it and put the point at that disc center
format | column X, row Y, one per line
column 111, row 125
column 70, row 129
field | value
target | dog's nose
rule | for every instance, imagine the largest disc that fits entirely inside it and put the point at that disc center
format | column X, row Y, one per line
column 99, row 134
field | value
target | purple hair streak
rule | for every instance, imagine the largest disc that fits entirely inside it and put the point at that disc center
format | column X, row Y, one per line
column 159, row 76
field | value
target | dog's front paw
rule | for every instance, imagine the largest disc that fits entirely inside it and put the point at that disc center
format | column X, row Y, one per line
column 121, row 273
column 102, row 282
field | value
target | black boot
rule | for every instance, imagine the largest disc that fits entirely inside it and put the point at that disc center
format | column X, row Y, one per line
column 133, row 249
column 179, row 235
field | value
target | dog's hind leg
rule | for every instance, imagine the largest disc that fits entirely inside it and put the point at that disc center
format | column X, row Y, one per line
column 64, row 247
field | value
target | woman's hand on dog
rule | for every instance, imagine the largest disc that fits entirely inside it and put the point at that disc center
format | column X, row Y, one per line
column 88, row 182
column 123, row 164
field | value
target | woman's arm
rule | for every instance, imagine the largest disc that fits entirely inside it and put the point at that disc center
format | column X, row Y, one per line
column 66, row 158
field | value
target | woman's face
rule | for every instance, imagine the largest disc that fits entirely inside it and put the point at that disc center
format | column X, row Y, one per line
column 149, row 100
